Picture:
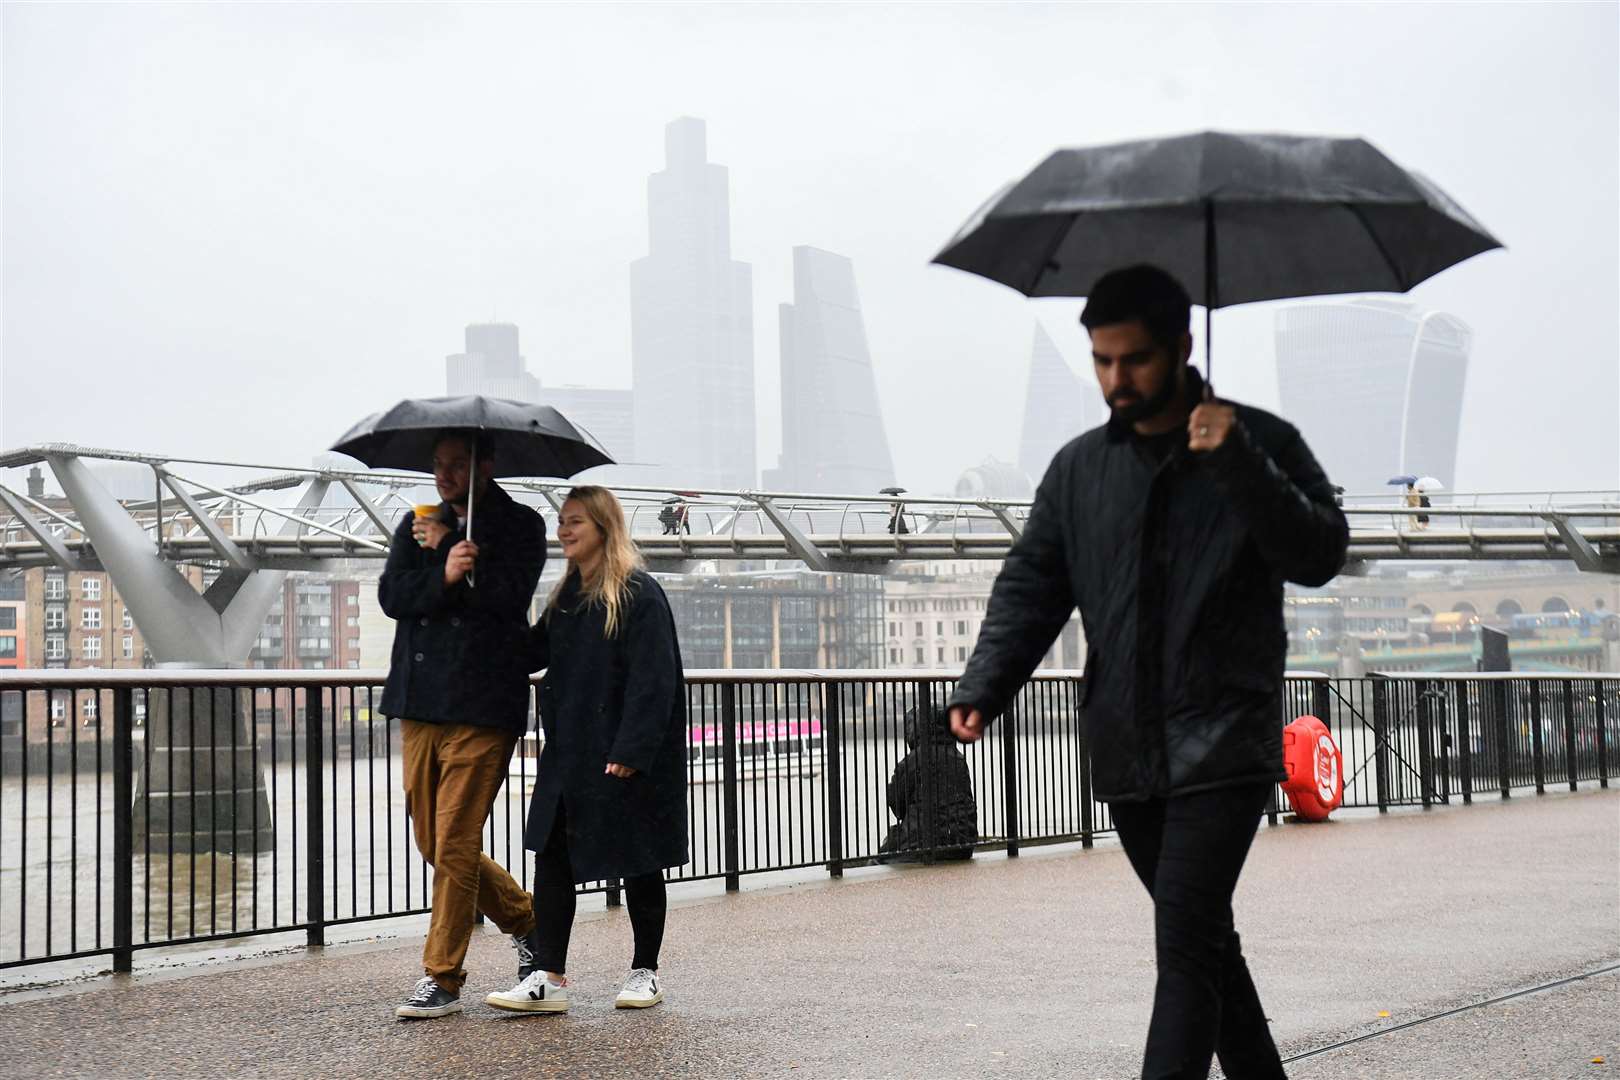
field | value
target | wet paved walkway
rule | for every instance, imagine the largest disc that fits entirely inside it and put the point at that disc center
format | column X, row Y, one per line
column 1039, row 966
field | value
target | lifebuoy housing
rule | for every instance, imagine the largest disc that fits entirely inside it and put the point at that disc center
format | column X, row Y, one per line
column 1315, row 784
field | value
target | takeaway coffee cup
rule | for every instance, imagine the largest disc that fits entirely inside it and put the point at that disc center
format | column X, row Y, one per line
column 426, row 511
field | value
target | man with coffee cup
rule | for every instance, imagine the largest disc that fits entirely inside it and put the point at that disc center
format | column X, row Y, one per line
column 459, row 684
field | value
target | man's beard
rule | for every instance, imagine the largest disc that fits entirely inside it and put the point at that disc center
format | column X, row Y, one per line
column 1147, row 408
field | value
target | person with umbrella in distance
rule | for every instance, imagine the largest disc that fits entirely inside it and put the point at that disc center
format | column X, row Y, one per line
column 1173, row 528
column 1417, row 496
column 610, row 791
column 459, row 683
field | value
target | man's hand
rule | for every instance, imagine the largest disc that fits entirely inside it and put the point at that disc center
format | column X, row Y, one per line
column 1209, row 425
column 966, row 724
column 429, row 533
column 623, row 772
column 460, row 561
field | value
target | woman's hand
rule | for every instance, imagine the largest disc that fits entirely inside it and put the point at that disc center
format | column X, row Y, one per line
column 623, row 772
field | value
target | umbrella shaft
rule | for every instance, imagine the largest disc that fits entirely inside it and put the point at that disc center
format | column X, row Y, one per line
column 1211, row 296
column 472, row 491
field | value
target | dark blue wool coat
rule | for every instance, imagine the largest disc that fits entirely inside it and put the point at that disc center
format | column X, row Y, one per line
column 619, row 699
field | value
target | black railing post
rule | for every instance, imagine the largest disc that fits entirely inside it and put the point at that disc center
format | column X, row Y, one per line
column 123, row 928
column 728, row 734
column 315, row 816
column 615, row 893
column 1381, row 755
column 1465, row 742
column 1537, row 750
column 1497, row 691
column 930, row 795
column 1322, row 702
column 1425, row 722
column 1009, row 774
column 1088, row 814
column 1569, row 734
column 832, row 737
column 1602, row 735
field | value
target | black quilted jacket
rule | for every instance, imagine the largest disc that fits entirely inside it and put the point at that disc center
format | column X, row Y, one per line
column 1178, row 569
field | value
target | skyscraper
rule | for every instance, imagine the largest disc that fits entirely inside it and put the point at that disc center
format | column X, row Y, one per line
column 1376, row 386
column 691, row 326
column 833, row 440
column 607, row 414
column 493, row 367
column 1057, row 406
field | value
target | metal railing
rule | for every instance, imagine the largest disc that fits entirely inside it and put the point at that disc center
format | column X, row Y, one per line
column 150, row 808
column 253, row 521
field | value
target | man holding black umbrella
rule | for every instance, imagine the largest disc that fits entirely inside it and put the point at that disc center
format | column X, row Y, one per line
column 1173, row 528
column 459, row 682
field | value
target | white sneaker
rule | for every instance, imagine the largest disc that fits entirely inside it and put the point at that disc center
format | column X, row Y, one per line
column 641, row 990
column 536, row 993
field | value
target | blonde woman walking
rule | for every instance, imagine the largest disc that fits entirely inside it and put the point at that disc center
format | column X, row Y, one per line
column 610, row 792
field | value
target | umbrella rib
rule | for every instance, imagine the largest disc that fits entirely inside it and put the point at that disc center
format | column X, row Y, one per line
column 1378, row 242
column 1046, row 259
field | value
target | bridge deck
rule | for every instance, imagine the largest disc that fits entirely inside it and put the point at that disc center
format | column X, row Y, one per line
column 1039, row 966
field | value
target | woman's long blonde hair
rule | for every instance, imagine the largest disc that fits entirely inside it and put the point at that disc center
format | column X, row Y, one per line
column 620, row 556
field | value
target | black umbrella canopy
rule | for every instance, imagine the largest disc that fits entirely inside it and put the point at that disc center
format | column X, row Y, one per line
column 1236, row 218
column 529, row 440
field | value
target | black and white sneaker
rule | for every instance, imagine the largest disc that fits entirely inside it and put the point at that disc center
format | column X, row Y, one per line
column 427, row 1001
column 536, row 993
column 526, row 944
column 641, row 990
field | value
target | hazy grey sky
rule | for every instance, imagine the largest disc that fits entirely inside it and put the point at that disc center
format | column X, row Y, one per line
column 233, row 229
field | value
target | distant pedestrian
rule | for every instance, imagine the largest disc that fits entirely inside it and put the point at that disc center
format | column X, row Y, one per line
column 1173, row 528
column 674, row 517
column 459, row 683
column 1415, row 498
column 610, row 790
column 930, row 794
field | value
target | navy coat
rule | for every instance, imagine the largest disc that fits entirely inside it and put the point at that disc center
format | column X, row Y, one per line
column 621, row 700
column 460, row 653
column 1178, row 569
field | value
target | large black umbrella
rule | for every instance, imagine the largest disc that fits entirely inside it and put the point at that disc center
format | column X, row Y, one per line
column 1236, row 218
column 529, row 440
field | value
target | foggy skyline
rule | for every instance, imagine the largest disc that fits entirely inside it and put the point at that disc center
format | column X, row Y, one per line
column 207, row 209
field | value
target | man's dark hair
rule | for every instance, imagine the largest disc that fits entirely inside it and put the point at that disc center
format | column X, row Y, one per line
column 1144, row 294
column 481, row 441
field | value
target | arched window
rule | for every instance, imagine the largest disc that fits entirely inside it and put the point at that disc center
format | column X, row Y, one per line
column 1509, row 608
column 1555, row 603
column 1465, row 608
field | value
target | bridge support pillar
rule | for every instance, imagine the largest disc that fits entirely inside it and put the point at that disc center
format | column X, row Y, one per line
column 197, row 789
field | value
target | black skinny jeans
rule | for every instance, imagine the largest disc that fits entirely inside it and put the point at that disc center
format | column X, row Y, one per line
column 1188, row 851
column 554, row 899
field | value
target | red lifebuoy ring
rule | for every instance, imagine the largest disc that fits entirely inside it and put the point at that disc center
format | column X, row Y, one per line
column 1315, row 784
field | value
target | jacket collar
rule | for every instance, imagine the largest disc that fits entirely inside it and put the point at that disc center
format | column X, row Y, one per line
column 1119, row 431
column 493, row 496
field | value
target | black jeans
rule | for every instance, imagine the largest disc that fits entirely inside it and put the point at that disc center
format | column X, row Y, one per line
column 1188, row 851
column 554, row 899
